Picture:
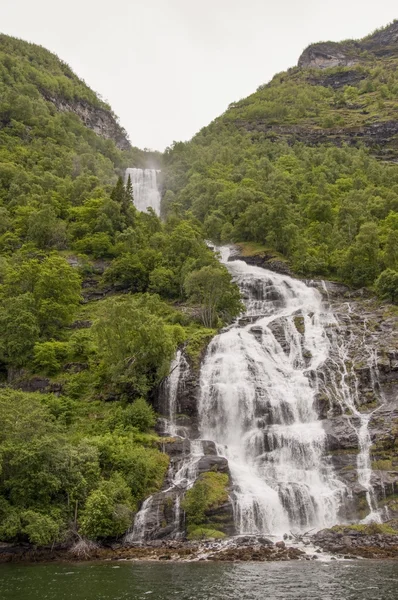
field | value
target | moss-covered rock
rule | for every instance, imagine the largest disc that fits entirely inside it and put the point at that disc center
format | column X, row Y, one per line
column 207, row 509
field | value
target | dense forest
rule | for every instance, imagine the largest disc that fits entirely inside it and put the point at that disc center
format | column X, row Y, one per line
column 94, row 300
column 305, row 167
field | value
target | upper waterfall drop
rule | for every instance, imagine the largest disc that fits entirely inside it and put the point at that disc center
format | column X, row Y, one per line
column 145, row 188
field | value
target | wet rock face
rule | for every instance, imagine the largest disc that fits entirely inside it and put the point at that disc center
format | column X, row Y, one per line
column 369, row 332
column 340, row 434
column 186, row 408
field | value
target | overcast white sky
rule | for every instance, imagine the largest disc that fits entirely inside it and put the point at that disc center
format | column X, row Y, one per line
column 168, row 67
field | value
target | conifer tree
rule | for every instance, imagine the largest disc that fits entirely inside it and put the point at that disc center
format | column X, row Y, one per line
column 118, row 193
column 129, row 190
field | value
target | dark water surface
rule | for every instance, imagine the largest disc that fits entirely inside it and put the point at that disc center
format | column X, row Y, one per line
column 356, row 580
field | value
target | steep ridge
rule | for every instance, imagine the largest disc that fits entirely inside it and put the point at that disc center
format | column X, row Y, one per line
column 305, row 167
column 355, row 100
column 34, row 66
column 325, row 55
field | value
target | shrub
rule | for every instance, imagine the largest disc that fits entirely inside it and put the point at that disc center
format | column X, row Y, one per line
column 201, row 533
column 49, row 356
column 387, row 285
column 140, row 414
column 41, row 529
column 108, row 509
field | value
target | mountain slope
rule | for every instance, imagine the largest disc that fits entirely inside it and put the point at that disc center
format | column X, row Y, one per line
column 340, row 92
column 30, row 70
column 294, row 167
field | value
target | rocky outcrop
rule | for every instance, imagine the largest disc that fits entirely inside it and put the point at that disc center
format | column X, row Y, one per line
column 100, row 120
column 325, row 55
column 266, row 261
column 338, row 79
column 240, row 549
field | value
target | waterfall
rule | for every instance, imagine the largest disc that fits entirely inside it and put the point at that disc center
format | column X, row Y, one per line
column 345, row 387
column 173, row 385
column 259, row 384
column 257, row 401
column 145, row 189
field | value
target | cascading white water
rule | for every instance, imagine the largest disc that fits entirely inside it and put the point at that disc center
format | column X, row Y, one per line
column 345, row 385
column 259, row 382
column 257, row 404
column 174, row 383
column 145, row 188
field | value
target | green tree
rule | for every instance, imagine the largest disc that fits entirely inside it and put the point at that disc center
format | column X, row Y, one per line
column 361, row 264
column 108, row 509
column 212, row 288
column 386, row 285
column 20, row 329
column 128, row 272
column 135, row 345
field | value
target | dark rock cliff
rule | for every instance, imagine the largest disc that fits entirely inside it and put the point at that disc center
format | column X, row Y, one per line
column 100, row 120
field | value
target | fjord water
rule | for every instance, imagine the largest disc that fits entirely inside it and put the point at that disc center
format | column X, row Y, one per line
column 357, row 580
column 145, row 188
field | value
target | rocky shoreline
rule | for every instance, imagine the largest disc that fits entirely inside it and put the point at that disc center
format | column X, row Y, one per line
column 329, row 544
column 352, row 543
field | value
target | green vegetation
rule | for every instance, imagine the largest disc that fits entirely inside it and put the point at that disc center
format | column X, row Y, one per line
column 95, row 298
column 200, row 533
column 382, row 465
column 65, row 464
column 208, row 492
column 330, row 211
column 371, row 529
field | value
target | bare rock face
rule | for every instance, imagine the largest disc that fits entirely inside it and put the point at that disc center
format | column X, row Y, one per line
column 101, row 121
column 325, row 56
column 386, row 37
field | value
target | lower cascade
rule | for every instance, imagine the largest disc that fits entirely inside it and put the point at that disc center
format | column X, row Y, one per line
column 145, row 188
column 259, row 385
column 257, row 402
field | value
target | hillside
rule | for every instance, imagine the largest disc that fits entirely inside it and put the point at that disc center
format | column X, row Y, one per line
column 94, row 300
column 306, row 166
